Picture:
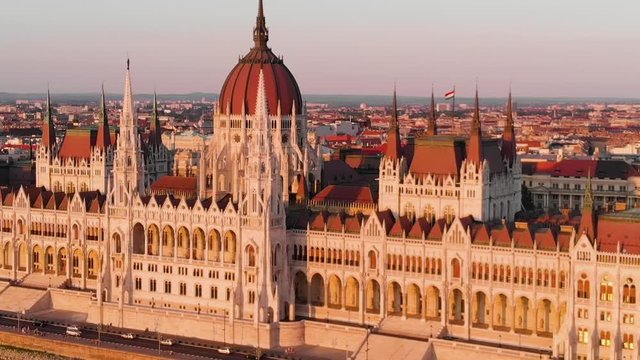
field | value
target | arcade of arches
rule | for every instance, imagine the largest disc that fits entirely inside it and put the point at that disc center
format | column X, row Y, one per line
column 183, row 243
column 498, row 313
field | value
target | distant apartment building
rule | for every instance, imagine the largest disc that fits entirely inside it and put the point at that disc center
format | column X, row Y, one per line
column 560, row 185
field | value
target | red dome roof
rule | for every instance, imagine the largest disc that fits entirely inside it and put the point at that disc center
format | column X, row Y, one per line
column 241, row 87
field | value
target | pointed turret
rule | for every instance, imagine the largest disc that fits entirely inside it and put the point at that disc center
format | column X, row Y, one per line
column 155, row 136
column 48, row 129
column 588, row 219
column 303, row 191
column 104, row 137
column 508, row 149
column 432, row 126
column 393, row 135
column 261, row 33
column 474, row 149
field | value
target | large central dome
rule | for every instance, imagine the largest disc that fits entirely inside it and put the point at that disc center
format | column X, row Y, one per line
column 241, row 87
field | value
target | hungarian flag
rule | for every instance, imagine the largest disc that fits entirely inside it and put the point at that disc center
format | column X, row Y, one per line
column 450, row 95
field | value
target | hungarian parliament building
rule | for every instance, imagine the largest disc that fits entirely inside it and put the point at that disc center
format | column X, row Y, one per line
column 441, row 245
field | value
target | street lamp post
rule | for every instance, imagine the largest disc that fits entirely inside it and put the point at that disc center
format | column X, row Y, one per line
column 367, row 350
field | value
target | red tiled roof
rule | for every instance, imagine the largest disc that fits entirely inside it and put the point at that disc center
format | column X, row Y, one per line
column 352, row 224
column 545, row 239
column 176, row 183
column 420, row 228
column 401, row 227
column 334, row 222
column 480, row 234
column 501, row 235
column 318, row 220
column 345, row 194
column 437, row 230
column 386, row 217
column 522, row 238
column 438, row 156
column 614, row 169
column 78, row 143
column 612, row 231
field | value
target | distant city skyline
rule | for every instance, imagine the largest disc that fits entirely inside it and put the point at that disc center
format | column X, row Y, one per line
column 544, row 48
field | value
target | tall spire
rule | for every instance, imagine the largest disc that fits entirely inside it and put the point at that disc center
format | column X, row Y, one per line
column 474, row 149
column 48, row 129
column 129, row 169
column 393, row 135
column 588, row 220
column 588, row 192
column 261, row 33
column 508, row 150
column 394, row 109
column 104, row 137
column 154, row 128
column 432, row 126
column 128, row 116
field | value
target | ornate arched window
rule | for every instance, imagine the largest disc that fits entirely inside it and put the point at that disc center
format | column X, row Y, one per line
column 629, row 292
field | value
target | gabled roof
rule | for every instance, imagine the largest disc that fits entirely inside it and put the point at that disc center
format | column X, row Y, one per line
column 480, row 234
column 386, row 217
column 545, row 239
column 334, row 222
column 522, row 237
column 78, row 143
column 318, row 220
column 352, row 224
column 438, row 156
column 501, row 235
column 437, row 230
column 401, row 227
column 419, row 229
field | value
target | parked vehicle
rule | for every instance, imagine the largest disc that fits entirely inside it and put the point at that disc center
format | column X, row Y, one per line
column 129, row 336
column 167, row 342
column 224, row 350
column 75, row 333
column 73, row 328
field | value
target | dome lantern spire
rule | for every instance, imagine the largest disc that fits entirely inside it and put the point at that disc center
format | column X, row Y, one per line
column 261, row 33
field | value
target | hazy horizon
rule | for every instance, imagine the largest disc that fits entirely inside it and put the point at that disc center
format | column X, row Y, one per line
column 546, row 49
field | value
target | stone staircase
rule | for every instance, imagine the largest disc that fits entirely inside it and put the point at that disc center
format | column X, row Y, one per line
column 43, row 281
column 398, row 338
column 418, row 329
column 381, row 346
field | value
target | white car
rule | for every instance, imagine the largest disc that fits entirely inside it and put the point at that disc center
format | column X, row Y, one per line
column 224, row 350
column 75, row 333
column 167, row 342
column 129, row 336
column 72, row 328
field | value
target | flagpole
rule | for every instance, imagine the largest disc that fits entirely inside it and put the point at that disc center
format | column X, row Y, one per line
column 453, row 104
